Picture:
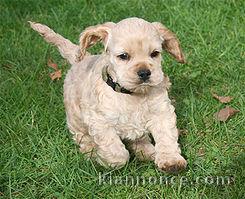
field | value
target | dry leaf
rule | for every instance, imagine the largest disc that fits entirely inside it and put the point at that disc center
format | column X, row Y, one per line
column 201, row 152
column 182, row 131
column 222, row 99
column 225, row 113
column 55, row 75
column 53, row 65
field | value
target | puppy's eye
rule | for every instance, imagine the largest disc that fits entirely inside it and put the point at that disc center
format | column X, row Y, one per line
column 155, row 54
column 124, row 56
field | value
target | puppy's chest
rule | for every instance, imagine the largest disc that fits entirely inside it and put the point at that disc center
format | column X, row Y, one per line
column 131, row 120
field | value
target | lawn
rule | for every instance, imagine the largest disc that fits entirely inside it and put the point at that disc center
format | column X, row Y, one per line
column 38, row 158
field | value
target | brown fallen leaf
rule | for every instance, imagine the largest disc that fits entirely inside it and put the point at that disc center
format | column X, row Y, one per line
column 55, row 75
column 182, row 132
column 225, row 113
column 53, row 65
column 222, row 99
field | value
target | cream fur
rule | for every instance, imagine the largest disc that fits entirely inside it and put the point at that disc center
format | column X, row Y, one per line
column 100, row 118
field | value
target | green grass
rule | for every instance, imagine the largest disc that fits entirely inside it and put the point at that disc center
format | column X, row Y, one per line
column 38, row 159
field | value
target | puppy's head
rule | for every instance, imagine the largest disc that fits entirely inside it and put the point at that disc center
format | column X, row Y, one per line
column 134, row 48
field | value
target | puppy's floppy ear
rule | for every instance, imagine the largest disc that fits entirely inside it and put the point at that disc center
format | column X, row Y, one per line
column 94, row 34
column 170, row 43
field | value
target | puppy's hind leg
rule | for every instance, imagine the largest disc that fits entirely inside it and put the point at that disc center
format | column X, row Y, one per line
column 87, row 146
column 143, row 148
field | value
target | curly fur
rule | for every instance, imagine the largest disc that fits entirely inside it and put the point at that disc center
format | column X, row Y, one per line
column 100, row 118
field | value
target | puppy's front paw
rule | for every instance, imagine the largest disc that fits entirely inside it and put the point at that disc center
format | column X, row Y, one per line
column 170, row 163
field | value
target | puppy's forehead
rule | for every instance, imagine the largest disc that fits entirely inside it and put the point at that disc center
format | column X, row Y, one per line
column 134, row 26
column 135, row 33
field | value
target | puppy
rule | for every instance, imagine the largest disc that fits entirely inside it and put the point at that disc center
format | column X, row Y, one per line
column 121, row 94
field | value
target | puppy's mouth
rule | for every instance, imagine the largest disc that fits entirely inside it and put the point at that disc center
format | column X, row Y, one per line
column 139, row 84
column 144, row 82
column 148, row 82
column 136, row 82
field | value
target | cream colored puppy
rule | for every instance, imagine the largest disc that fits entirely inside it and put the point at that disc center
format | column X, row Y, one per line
column 122, row 93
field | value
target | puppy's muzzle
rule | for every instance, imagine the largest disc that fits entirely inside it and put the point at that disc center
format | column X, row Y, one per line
column 144, row 74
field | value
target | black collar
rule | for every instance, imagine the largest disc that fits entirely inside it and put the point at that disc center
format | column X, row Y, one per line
column 115, row 86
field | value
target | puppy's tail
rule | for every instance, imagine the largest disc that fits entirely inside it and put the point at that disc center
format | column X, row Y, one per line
column 67, row 49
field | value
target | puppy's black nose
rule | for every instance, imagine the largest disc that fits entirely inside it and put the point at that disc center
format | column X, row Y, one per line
column 144, row 74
